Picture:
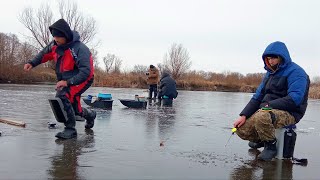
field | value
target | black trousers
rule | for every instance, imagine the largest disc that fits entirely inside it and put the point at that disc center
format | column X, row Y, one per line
column 153, row 88
column 70, row 97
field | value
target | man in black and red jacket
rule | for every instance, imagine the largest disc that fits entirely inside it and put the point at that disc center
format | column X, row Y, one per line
column 74, row 70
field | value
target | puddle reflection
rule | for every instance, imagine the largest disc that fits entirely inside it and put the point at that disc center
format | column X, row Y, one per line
column 166, row 123
column 257, row 169
column 65, row 165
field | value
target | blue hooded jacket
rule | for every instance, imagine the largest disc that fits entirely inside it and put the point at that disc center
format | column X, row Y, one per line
column 285, row 88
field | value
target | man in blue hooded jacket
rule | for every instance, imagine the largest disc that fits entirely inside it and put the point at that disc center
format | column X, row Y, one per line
column 280, row 100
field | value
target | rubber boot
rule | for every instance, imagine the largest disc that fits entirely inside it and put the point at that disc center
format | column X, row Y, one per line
column 67, row 133
column 256, row 145
column 269, row 151
column 90, row 116
column 69, row 130
column 167, row 102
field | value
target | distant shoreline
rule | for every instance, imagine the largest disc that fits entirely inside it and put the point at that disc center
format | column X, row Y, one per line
column 314, row 91
column 192, row 81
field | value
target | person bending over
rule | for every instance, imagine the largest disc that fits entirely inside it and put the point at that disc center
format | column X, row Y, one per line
column 74, row 70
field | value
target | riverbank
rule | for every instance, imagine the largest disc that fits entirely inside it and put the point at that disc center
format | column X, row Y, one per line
column 193, row 81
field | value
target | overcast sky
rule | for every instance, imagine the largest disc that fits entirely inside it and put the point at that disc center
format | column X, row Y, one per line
column 220, row 35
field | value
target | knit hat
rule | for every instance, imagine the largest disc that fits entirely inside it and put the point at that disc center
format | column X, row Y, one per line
column 57, row 33
column 271, row 55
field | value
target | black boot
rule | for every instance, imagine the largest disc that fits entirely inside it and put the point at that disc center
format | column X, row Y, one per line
column 90, row 116
column 67, row 133
column 167, row 102
column 256, row 145
column 269, row 151
column 69, row 130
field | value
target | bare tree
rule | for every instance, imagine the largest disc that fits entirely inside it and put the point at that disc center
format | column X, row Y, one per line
column 177, row 60
column 140, row 69
column 160, row 67
column 112, row 63
column 108, row 62
column 11, row 55
column 85, row 25
column 117, row 65
column 9, row 48
column 12, row 52
column 94, row 55
column 38, row 23
column 27, row 52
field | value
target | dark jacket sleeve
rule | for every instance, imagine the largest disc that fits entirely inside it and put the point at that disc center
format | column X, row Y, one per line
column 254, row 104
column 43, row 56
column 250, row 108
column 84, row 65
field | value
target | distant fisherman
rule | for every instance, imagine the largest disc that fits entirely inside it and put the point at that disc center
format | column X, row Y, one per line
column 285, row 89
column 167, row 90
column 74, row 70
column 153, row 80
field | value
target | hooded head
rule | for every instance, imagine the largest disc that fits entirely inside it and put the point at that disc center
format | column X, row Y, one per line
column 276, row 50
column 273, row 62
column 165, row 73
column 61, row 29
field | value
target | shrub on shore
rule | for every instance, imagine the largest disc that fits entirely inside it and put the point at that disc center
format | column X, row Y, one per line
column 194, row 81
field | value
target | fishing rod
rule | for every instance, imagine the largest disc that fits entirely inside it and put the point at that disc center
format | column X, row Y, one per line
column 233, row 130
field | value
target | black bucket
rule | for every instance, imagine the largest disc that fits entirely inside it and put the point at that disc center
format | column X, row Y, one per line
column 290, row 137
column 58, row 110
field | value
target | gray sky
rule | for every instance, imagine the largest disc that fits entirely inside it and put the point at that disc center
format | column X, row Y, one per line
column 220, row 35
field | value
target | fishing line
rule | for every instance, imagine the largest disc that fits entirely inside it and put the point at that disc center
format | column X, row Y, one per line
column 233, row 130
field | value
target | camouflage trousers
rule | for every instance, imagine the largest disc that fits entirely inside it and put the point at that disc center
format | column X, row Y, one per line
column 262, row 124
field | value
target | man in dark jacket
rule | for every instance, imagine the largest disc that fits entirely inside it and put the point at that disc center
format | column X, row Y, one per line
column 74, row 70
column 280, row 100
column 167, row 89
column 153, row 79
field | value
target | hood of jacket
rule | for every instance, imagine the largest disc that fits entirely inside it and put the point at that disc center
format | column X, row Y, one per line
column 63, row 26
column 164, row 74
column 280, row 49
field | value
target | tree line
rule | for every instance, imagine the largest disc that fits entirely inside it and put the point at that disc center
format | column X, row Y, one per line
column 14, row 53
